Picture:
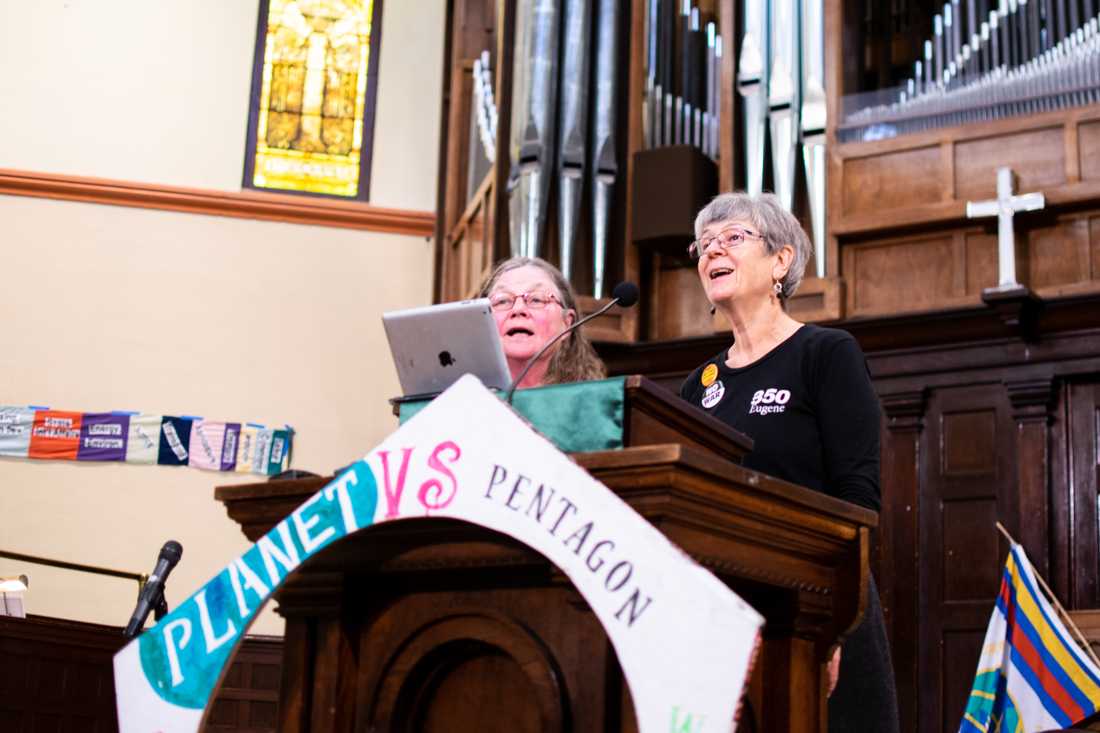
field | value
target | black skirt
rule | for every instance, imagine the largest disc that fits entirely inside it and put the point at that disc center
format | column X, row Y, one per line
column 865, row 698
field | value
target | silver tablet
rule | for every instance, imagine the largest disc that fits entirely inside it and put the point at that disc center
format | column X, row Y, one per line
column 433, row 346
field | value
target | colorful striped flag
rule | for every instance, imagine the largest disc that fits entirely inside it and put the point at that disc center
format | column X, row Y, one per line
column 1031, row 676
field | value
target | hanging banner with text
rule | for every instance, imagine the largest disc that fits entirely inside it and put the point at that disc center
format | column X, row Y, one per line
column 684, row 640
column 127, row 437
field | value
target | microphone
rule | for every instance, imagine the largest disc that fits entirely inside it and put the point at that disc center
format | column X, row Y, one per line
column 624, row 294
column 152, row 593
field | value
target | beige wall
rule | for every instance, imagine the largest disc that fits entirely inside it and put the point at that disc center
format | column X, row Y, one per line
column 118, row 308
column 158, row 92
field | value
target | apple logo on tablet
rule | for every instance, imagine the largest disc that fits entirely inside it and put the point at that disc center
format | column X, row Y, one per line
column 445, row 359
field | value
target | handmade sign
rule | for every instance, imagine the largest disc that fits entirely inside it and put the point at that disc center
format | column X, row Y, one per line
column 684, row 640
column 32, row 432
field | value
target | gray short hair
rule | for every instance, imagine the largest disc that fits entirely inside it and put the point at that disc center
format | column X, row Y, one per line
column 777, row 225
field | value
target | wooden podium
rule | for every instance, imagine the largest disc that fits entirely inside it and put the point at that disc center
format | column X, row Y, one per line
column 439, row 625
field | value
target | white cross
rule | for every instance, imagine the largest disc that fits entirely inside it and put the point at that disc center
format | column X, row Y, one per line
column 1003, row 207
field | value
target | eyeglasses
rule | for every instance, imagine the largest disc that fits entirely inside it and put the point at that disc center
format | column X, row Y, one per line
column 501, row 302
column 732, row 237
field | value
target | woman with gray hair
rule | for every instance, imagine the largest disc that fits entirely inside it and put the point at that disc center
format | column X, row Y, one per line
column 803, row 394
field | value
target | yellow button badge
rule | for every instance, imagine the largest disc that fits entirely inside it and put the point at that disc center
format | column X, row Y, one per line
column 709, row 375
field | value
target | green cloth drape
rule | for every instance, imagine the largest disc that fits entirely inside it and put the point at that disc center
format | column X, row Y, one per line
column 578, row 416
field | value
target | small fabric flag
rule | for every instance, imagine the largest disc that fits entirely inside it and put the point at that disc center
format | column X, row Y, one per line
column 55, row 435
column 1031, row 676
column 15, row 431
column 261, row 450
column 280, row 447
column 103, row 436
column 206, row 441
column 246, row 447
column 229, row 446
column 175, row 441
column 143, row 441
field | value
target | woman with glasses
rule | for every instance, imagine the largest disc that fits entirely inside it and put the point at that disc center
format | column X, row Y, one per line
column 532, row 303
column 803, row 394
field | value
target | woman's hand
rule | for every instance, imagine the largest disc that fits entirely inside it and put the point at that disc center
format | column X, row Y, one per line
column 834, row 671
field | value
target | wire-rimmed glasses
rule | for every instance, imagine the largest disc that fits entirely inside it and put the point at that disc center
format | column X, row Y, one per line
column 726, row 239
column 535, row 301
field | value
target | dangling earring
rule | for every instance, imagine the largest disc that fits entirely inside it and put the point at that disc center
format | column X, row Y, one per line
column 778, row 287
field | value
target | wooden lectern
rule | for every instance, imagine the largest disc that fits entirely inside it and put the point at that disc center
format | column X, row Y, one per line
column 438, row 625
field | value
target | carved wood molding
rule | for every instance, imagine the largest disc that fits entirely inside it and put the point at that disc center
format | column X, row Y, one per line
column 1019, row 308
column 62, row 632
column 905, row 410
column 291, row 209
column 1032, row 399
column 733, row 568
column 423, row 650
column 313, row 593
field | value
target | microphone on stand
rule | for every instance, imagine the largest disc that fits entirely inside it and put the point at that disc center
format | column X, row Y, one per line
column 151, row 597
column 624, row 294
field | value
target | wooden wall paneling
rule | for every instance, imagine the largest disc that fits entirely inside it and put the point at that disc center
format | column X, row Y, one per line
column 903, row 273
column 634, row 42
column 949, row 267
column 458, row 134
column 57, row 675
column 450, row 146
column 730, row 103
column 498, row 209
column 294, row 688
column 1037, row 158
column 958, row 265
column 454, row 246
column 818, row 299
column 480, row 254
column 898, row 557
column 1061, row 516
column 947, row 176
column 307, row 701
column 469, row 32
column 1094, row 247
column 1084, row 491
column 439, row 251
column 1088, row 142
column 969, row 471
column 1046, row 152
column 790, row 656
column 247, row 700
column 467, row 247
column 1055, row 253
column 834, row 17
column 1072, row 145
column 842, row 22
column 333, row 690
column 472, row 29
column 981, row 260
column 1032, row 404
column 878, row 183
column 680, row 307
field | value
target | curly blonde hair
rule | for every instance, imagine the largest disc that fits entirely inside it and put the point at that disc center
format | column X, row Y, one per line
column 575, row 360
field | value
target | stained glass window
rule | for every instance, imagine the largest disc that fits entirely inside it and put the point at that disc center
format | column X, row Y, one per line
column 313, row 87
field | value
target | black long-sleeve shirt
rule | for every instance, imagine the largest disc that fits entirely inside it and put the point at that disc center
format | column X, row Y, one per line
column 808, row 405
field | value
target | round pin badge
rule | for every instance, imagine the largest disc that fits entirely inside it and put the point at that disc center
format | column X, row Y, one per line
column 713, row 395
column 709, row 375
